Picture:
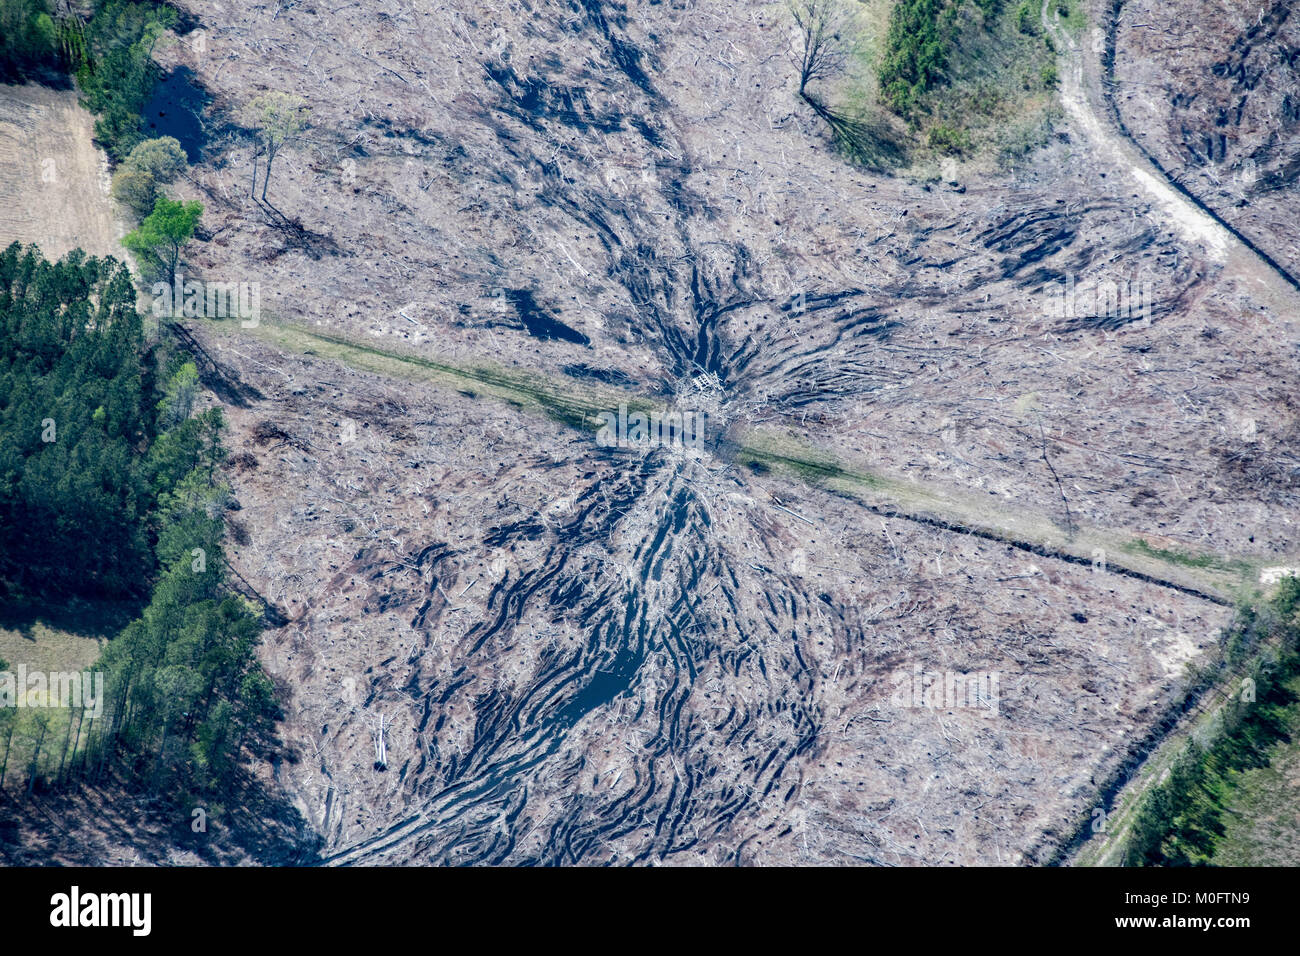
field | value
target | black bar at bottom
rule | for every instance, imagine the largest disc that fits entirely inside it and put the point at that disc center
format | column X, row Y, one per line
column 608, row 909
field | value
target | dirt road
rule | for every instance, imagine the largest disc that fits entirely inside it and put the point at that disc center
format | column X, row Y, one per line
column 1085, row 79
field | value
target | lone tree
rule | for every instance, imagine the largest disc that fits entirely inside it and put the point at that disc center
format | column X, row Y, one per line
column 826, row 29
column 164, row 233
column 151, row 165
column 279, row 118
column 825, row 51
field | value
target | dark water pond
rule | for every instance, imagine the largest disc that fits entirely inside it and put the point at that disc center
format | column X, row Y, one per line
column 176, row 109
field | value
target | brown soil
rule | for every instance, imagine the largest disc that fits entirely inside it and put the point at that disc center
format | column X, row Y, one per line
column 53, row 179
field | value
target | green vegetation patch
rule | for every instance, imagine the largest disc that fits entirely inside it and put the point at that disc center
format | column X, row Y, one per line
column 1261, row 821
column 29, row 40
column 1187, row 559
column 1181, row 821
column 998, row 88
column 766, row 452
column 111, row 54
column 115, row 68
column 75, row 411
column 576, row 406
column 909, row 82
column 917, row 50
column 111, row 488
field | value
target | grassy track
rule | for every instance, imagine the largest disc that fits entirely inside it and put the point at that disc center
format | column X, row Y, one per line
column 1222, row 578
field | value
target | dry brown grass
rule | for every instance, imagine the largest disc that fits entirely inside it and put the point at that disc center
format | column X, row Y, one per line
column 53, row 179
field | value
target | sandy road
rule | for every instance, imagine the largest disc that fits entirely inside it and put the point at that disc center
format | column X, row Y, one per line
column 1084, row 100
column 1113, row 149
column 1082, row 96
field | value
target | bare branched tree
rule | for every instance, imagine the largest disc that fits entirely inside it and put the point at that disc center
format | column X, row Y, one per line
column 825, row 48
column 826, row 31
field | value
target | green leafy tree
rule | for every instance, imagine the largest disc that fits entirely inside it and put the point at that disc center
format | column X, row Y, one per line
column 1180, row 820
column 948, row 139
column 916, row 52
column 163, row 234
column 179, row 396
column 121, row 495
column 279, row 118
column 1027, row 21
column 28, row 39
column 151, row 165
column 117, row 74
column 72, row 425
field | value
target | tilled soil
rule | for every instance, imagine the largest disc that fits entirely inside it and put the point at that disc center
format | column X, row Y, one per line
column 53, row 179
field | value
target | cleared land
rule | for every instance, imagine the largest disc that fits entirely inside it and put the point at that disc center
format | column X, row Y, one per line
column 53, row 179
column 505, row 217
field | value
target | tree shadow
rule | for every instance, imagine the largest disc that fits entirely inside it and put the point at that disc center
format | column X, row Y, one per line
column 297, row 236
column 872, row 144
column 105, row 823
column 21, row 611
column 215, row 376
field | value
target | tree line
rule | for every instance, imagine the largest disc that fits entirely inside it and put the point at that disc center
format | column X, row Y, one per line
column 111, row 487
column 110, row 51
column 28, row 41
column 1180, row 820
column 74, row 414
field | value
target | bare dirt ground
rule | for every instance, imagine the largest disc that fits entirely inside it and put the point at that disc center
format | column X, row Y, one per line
column 591, row 655
column 1208, row 89
column 703, row 678
column 53, row 179
column 557, row 687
